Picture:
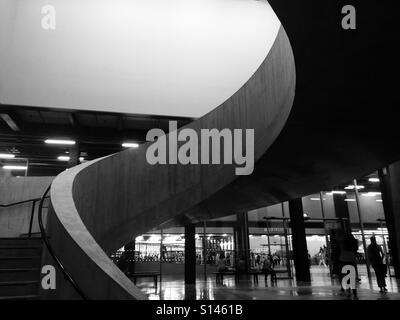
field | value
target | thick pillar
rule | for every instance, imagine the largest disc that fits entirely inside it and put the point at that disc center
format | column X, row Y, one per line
column 390, row 187
column 74, row 152
column 190, row 254
column 342, row 210
column 242, row 246
column 299, row 243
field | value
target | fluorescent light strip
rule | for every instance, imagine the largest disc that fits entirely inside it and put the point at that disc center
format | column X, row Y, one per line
column 56, row 141
column 351, row 187
column 6, row 156
column 373, row 180
column 350, row 200
column 130, row 145
column 11, row 167
column 63, row 158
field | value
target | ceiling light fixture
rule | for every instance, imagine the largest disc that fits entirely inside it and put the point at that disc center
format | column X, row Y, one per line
column 6, row 156
column 373, row 180
column 56, row 141
column 351, row 187
column 130, row 145
column 63, row 158
column 13, row 167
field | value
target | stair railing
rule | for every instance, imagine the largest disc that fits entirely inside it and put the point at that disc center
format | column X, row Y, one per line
column 34, row 201
column 45, row 238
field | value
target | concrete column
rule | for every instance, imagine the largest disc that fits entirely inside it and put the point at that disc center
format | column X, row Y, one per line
column 390, row 187
column 190, row 254
column 342, row 210
column 299, row 243
column 74, row 152
column 242, row 245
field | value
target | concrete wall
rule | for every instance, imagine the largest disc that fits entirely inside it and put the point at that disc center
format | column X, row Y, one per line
column 14, row 220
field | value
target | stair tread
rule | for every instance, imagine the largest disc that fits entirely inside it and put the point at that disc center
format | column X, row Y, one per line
column 20, row 248
column 28, row 296
column 19, row 238
column 18, row 282
column 19, row 269
column 19, row 257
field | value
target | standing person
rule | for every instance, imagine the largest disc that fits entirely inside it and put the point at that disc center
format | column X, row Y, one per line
column 221, row 265
column 375, row 256
column 322, row 257
column 348, row 255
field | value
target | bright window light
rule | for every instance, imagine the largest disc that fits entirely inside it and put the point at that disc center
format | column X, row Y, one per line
column 373, row 180
column 6, row 156
column 14, row 167
column 56, row 141
column 130, row 145
column 63, row 158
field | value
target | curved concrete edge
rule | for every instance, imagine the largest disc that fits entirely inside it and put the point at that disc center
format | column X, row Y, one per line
column 73, row 221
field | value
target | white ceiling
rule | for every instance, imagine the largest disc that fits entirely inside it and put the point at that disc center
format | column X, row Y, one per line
column 160, row 57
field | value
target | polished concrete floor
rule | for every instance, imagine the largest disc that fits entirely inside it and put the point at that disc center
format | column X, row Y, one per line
column 322, row 287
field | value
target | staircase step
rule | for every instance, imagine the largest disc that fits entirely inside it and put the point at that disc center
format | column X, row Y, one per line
column 20, row 262
column 20, row 251
column 19, row 288
column 23, row 297
column 20, row 242
column 19, row 274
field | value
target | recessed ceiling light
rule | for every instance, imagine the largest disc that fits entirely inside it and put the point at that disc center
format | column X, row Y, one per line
column 338, row 192
column 63, row 158
column 6, row 156
column 130, row 145
column 57, row 141
column 14, row 167
column 373, row 180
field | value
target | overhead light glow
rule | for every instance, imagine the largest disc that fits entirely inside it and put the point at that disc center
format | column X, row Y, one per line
column 338, row 192
column 373, row 180
column 14, row 167
column 315, row 199
column 63, row 158
column 6, row 156
column 378, row 200
column 371, row 194
column 130, row 145
column 351, row 187
column 56, row 141
column 350, row 200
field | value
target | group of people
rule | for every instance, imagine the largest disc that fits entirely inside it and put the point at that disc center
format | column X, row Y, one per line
column 263, row 264
column 344, row 247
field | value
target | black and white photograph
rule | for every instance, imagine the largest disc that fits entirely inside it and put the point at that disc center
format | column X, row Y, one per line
column 200, row 158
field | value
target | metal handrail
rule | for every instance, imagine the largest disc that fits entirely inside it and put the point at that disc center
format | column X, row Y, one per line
column 51, row 251
column 19, row 202
column 33, row 200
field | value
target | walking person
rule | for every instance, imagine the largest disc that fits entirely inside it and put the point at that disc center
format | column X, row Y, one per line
column 322, row 257
column 376, row 256
column 348, row 256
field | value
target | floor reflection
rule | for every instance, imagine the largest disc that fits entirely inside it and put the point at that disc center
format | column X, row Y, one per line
column 322, row 287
